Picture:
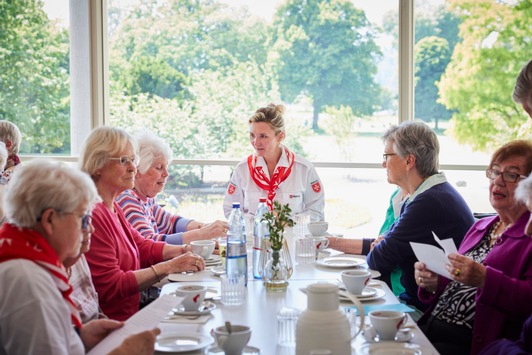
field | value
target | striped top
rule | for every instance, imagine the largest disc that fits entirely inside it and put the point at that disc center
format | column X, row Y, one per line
column 151, row 220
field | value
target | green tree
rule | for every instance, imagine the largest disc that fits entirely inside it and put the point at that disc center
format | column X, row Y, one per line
column 34, row 76
column 155, row 77
column 479, row 80
column 326, row 51
column 432, row 56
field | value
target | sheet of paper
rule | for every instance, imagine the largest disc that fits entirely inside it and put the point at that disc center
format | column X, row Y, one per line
column 145, row 319
column 434, row 257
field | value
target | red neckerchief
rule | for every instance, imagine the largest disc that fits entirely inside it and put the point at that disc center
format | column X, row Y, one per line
column 27, row 244
column 279, row 175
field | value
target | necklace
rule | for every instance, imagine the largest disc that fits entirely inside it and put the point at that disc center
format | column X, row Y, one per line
column 495, row 227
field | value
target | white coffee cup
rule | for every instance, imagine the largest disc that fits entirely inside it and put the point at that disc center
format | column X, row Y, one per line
column 321, row 243
column 232, row 343
column 317, row 228
column 203, row 248
column 194, row 296
column 387, row 323
column 356, row 280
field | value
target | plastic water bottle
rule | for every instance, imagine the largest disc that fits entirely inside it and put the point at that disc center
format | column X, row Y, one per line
column 260, row 231
column 236, row 253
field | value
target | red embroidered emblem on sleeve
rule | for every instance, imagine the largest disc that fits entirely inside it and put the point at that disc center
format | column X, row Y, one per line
column 316, row 186
column 231, row 189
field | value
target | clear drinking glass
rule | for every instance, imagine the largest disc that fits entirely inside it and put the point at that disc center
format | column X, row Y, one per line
column 233, row 290
column 286, row 326
column 301, row 221
column 305, row 250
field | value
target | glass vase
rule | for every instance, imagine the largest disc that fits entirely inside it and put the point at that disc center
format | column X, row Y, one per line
column 277, row 267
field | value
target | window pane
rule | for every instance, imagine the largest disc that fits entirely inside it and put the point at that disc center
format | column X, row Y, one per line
column 34, row 73
column 465, row 72
column 194, row 73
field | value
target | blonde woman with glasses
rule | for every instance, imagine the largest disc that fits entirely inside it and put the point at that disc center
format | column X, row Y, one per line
column 122, row 262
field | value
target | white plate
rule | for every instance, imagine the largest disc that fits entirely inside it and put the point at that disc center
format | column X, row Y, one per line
column 248, row 350
column 182, row 342
column 378, row 294
column 402, row 336
column 218, row 270
column 340, row 262
column 366, row 293
column 207, row 308
column 391, row 348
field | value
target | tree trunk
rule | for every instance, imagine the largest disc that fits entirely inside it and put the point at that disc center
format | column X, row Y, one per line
column 315, row 116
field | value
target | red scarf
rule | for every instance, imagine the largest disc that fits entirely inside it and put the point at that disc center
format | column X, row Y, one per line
column 27, row 244
column 280, row 174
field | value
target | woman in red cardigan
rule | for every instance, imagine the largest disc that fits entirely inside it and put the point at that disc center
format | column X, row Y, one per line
column 122, row 262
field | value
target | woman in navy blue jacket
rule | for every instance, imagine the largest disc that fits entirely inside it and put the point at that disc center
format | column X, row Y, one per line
column 411, row 161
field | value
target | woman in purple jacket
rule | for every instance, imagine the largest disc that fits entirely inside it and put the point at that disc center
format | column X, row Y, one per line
column 488, row 296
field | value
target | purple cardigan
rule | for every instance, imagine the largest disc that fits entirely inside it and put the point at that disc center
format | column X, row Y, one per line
column 503, row 304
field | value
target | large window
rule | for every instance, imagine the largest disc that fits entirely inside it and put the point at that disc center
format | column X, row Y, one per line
column 34, row 73
column 193, row 72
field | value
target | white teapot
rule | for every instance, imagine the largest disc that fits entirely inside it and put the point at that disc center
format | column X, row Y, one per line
column 323, row 326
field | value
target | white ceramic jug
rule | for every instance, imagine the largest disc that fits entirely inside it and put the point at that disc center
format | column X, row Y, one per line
column 323, row 325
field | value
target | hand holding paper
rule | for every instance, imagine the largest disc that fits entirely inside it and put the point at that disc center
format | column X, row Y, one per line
column 434, row 257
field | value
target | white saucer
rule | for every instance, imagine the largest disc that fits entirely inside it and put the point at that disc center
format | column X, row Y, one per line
column 218, row 270
column 367, row 292
column 182, row 342
column 340, row 262
column 248, row 350
column 391, row 348
column 378, row 294
column 213, row 260
column 206, row 308
column 403, row 335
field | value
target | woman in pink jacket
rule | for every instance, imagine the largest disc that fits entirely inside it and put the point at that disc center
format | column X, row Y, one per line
column 122, row 262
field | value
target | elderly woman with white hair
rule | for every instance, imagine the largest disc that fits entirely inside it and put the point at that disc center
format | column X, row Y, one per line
column 122, row 262
column 145, row 214
column 47, row 219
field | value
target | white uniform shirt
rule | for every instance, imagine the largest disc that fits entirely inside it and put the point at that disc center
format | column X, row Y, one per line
column 302, row 189
column 34, row 317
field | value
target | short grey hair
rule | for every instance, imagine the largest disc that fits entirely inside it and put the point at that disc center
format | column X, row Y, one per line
column 10, row 132
column 101, row 144
column 58, row 186
column 418, row 139
column 523, row 192
column 151, row 148
column 523, row 85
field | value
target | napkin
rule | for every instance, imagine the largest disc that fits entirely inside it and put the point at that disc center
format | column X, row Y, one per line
column 381, row 307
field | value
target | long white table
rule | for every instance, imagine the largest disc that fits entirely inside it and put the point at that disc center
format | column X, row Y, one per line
column 260, row 310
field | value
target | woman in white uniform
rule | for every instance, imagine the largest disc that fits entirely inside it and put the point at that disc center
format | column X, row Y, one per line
column 273, row 171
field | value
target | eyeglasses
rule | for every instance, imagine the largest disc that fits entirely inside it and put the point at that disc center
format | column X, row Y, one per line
column 507, row 176
column 386, row 155
column 85, row 221
column 86, row 218
column 124, row 160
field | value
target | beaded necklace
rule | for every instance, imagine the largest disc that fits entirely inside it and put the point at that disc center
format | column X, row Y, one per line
column 496, row 226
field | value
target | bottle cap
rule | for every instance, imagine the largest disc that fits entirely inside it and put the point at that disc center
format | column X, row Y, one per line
column 236, row 204
column 262, row 199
